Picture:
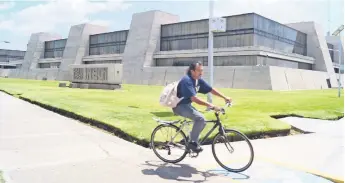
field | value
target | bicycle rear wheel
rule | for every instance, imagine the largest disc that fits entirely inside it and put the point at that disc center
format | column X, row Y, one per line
column 225, row 146
column 169, row 143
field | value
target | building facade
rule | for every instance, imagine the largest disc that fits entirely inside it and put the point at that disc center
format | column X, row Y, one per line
column 8, row 58
column 254, row 52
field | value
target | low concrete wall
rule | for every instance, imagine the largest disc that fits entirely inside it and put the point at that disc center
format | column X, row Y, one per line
column 4, row 72
column 250, row 77
column 11, row 73
column 240, row 77
column 243, row 77
column 297, row 79
column 39, row 74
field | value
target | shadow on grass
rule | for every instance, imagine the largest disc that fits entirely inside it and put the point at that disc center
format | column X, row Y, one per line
column 163, row 114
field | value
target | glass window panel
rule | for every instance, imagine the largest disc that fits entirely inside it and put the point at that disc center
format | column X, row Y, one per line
column 164, row 31
column 174, row 45
column 202, row 43
column 93, row 39
column 192, row 28
column 194, row 43
column 217, row 42
column 122, row 48
column 93, row 51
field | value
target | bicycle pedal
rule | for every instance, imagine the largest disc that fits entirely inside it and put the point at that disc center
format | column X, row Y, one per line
column 193, row 154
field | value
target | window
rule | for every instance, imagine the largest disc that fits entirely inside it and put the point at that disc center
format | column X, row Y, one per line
column 54, row 49
column 108, row 43
column 280, row 37
column 104, row 62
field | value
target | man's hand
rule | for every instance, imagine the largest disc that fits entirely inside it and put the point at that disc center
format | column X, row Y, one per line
column 227, row 99
column 215, row 107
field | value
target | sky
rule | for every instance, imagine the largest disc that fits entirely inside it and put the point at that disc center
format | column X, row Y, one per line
column 20, row 18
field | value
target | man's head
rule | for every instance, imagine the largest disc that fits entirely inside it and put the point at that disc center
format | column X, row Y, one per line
column 195, row 70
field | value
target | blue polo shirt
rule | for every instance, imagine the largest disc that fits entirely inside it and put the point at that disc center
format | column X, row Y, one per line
column 186, row 88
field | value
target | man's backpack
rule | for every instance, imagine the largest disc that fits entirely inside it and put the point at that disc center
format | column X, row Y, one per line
column 168, row 96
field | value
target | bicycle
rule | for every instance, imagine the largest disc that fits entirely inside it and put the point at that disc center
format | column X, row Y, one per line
column 182, row 144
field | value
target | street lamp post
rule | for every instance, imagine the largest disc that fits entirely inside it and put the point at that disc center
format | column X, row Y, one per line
column 217, row 24
column 339, row 68
column 210, row 49
column 339, row 62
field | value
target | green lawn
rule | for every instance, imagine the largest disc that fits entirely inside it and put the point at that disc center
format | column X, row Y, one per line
column 131, row 109
column 1, row 178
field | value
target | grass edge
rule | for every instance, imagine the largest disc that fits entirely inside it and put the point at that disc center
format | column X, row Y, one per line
column 144, row 143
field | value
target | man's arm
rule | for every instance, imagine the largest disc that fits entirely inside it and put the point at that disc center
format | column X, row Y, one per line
column 219, row 94
column 201, row 102
column 206, row 88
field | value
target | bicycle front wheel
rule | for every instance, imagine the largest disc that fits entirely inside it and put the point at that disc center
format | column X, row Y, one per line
column 169, row 143
column 233, row 151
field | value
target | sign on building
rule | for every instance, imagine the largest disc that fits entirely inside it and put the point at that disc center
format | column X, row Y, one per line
column 218, row 24
column 96, row 73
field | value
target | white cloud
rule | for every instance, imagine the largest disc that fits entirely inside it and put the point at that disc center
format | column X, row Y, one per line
column 6, row 24
column 100, row 22
column 6, row 5
column 57, row 14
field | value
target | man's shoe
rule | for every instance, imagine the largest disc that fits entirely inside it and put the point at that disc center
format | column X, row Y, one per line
column 194, row 147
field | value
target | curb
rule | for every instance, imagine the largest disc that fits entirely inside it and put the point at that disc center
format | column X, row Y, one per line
column 125, row 136
column 89, row 121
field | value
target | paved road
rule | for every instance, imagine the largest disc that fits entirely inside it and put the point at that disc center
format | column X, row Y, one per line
column 37, row 146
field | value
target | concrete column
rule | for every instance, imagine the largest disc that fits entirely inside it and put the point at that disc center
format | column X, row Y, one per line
column 317, row 48
column 142, row 42
column 34, row 52
column 77, row 46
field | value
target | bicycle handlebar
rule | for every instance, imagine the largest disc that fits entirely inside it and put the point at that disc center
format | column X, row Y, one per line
column 222, row 110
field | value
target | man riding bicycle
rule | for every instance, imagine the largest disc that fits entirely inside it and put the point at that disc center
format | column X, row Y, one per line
column 188, row 87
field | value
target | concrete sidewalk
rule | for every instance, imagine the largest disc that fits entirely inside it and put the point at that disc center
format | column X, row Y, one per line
column 39, row 146
column 320, row 153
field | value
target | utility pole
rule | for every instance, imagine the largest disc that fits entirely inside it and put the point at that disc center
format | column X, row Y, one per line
column 210, row 48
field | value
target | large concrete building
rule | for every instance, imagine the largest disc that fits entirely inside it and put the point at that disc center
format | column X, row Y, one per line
column 9, row 58
column 254, row 53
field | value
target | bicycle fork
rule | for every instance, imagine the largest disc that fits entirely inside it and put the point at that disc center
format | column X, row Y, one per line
column 226, row 142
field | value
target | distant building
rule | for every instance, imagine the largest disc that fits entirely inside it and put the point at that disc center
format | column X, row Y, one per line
column 254, row 53
column 8, row 58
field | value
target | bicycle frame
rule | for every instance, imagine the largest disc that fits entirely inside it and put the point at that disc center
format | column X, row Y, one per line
column 217, row 124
